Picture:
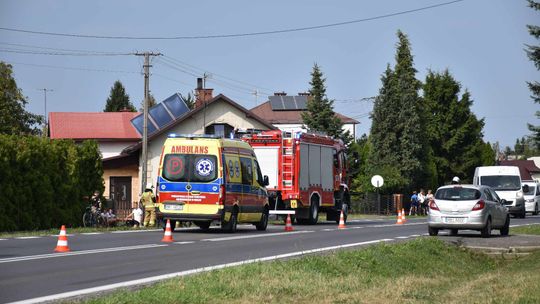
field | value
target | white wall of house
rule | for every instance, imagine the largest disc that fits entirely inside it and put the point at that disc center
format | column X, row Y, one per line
column 217, row 112
column 298, row 127
column 110, row 149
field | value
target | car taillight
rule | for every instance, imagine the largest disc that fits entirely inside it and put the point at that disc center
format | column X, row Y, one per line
column 479, row 206
column 433, row 206
column 222, row 195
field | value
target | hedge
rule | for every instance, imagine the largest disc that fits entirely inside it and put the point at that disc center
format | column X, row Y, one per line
column 44, row 183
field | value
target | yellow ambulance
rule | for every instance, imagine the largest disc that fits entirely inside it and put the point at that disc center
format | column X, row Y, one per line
column 203, row 178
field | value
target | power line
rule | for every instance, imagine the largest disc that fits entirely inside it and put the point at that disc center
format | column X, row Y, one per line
column 59, row 49
column 32, row 52
column 73, row 68
column 307, row 28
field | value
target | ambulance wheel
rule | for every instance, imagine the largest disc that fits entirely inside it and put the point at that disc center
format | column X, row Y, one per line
column 263, row 223
column 313, row 212
column 230, row 226
column 203, row 225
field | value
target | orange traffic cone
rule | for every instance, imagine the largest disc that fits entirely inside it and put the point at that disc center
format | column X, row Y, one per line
column 62, row 244
column 288, row 224
column 167, row 237
column 399, row 219
column 341, row 221
column 403, row 219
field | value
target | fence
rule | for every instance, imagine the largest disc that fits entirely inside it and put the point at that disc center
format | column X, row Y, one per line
column 367, row 203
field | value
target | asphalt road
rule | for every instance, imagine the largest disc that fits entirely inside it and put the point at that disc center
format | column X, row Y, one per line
column 30, row 270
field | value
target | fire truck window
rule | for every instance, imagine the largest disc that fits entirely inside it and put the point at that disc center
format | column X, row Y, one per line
column 247, row 171
column 336, row 159
column 259, row 176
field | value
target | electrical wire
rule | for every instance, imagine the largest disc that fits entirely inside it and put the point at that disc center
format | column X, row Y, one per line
column 272, row 32
column 73, row 68
column 31, row 52
column 60, row 49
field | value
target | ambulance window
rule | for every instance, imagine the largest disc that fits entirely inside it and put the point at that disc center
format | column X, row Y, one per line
column 189, row 168
column 260, row 178
column 247, row 171
column 174, row 168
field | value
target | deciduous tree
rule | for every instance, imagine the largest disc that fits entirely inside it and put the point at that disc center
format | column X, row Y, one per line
column 14, row 119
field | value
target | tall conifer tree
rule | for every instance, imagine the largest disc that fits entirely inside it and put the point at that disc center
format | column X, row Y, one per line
column 118, row 99
column 320, row 115
column 533, row 52
column 397, row 132
column 453, row 130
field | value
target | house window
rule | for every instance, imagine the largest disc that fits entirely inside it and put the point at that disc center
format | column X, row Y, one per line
column 222, row 130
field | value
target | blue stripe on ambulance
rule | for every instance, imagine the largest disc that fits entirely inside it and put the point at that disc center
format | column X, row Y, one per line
column 166, row 186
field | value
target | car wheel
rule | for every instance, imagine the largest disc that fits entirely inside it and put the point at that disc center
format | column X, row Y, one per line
column 535, row 209
column 506, row 228
column 230, row 226
column 433, row 231
column 263, row 223
column 453, row 232
column 486, row 231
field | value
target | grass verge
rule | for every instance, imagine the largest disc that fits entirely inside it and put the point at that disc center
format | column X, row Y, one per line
column 530, row 229
column 425, row 270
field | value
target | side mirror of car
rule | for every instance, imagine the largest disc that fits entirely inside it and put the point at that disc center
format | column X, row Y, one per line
column 503, row 201
column 265, row 180
column 525, row 188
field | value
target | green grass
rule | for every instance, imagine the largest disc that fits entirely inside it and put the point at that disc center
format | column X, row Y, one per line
column 425, row 270
column 531, row 229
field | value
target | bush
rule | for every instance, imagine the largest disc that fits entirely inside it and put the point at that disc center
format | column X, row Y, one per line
column 43, row 181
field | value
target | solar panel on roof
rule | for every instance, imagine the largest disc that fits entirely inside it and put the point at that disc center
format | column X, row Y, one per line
column 176, row 105
column 161, row 114
column 288, row 103
column 137, row 122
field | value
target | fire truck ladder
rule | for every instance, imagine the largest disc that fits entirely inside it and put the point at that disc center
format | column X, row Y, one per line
column 287, row 161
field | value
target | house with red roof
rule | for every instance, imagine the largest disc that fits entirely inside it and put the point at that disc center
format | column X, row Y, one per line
column 285, row 113
column 527, row 168
column 119, row 137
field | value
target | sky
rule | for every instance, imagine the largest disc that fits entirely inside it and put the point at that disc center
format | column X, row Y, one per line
column 481, row 42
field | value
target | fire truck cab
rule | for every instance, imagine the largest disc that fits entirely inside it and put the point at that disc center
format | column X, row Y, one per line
column 307, row 173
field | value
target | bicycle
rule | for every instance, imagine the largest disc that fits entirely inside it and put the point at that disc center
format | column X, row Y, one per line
column 92, row 218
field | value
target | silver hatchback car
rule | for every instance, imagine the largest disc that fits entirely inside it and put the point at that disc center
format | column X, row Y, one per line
column 467, row 207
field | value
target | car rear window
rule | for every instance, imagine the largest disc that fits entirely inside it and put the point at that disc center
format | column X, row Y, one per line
column 457, row 194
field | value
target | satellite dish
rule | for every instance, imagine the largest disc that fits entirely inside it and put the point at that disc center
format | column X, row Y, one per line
column 377, row 181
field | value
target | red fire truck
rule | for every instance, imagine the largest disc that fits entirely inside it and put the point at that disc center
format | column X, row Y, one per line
column 307, row 173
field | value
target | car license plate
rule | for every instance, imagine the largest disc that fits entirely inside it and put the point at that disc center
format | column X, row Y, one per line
column 174, row 207
column 294, row 204
column 455, row 220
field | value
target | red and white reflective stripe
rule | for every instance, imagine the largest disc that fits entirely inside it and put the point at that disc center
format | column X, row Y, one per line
column 62, row 243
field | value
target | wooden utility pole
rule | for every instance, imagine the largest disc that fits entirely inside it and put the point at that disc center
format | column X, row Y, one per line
column 146, row 67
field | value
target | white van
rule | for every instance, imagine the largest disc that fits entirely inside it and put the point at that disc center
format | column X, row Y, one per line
column 506, row 181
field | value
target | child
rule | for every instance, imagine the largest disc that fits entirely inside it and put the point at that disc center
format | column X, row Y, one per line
column 137, row 216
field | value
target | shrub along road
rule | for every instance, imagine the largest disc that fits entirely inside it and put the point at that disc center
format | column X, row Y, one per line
column 99, row 262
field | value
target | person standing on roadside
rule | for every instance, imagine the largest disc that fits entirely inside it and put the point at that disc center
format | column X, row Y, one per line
column 421, row 202
column 147, row 200
column 429, row 199
column 414, row 204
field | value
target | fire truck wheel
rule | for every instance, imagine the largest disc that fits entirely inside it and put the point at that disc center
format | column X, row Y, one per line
column 263, row 223
column 314, row 212
column 230, row 226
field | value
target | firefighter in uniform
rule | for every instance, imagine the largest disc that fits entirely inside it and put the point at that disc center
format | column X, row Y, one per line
column 147, row 200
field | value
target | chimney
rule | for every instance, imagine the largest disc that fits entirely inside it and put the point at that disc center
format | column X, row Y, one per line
column 280, row 93
column 304, row 94
column 202, row 95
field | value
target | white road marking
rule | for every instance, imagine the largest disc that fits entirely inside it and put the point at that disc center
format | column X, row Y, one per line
column 3, row 239
column 91, row 233
column 402, row 237
column 97, row 289
column 27, row 237
column 255, row 236
column 131, row 231
column 414, row 235
column 55, row 255
column 185, row 242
